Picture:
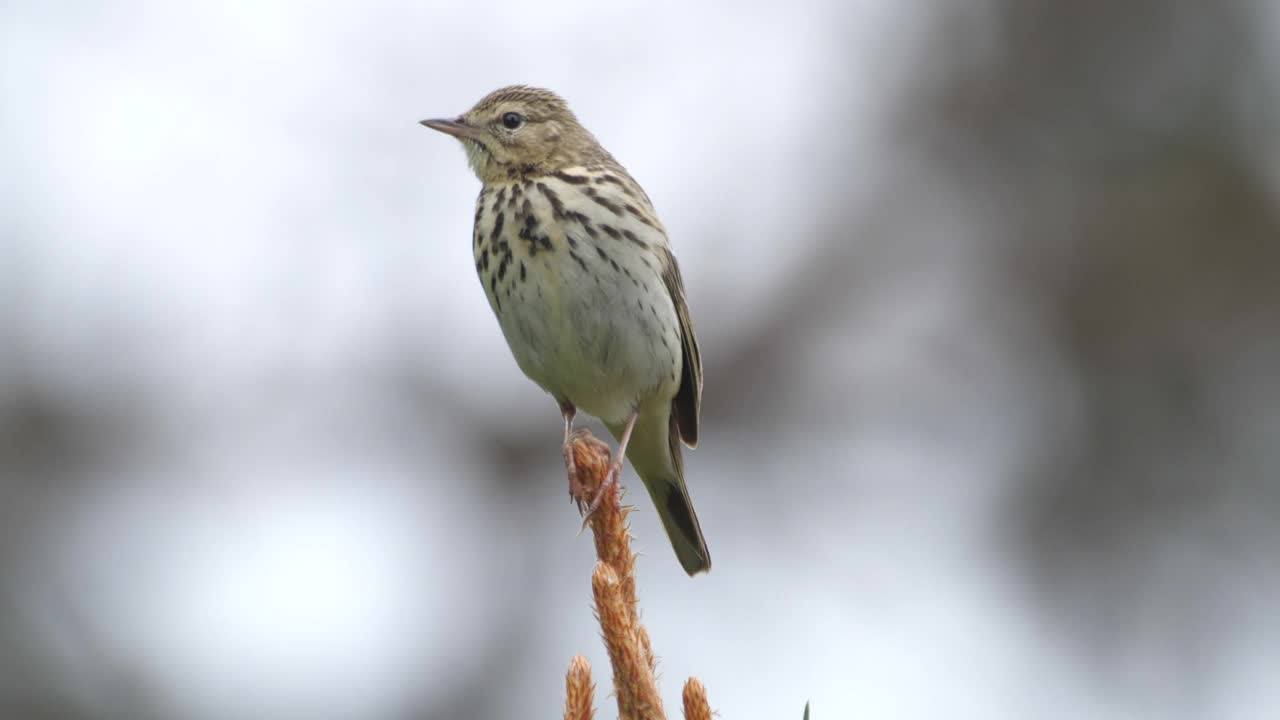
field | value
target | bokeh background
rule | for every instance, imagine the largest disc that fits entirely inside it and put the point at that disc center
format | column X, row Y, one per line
column 988, row 294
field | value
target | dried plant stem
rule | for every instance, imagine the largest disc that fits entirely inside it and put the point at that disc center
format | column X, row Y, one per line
column 579, row 691
column 633, row 679
column 613, row 585
column 695, row 701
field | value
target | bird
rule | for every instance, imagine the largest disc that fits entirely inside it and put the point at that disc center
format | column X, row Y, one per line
column 578, row 270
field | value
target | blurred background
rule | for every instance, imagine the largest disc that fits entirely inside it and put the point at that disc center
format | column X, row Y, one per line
column 988, row 294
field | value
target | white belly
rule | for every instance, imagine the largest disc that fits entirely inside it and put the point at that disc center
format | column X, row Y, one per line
column 593, row 337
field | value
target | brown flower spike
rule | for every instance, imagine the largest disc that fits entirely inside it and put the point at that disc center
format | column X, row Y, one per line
column 613, row 585
column 579, row 691
column 695, row 701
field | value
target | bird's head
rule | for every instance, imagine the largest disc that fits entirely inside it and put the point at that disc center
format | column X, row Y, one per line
column 520, row 131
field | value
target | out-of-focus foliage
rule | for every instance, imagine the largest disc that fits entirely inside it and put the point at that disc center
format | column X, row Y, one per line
column 988, row 296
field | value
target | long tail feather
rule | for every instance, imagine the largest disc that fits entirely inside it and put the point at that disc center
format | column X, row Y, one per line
column 654, row 452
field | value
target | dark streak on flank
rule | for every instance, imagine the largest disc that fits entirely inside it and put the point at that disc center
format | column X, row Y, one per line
column 603, row 202
column 630, row 191
column 634, row 281
column 527, row 234
column 571, row 179
column 611, row 231
column 497, row 226
column 641, row 216
column 502, row 267
column 583, row 220
column 605, row 257
column 607, row 178
column 633, row 238
column 522, row 271
column 572, row 243
column 557, row 205
column 579, row 260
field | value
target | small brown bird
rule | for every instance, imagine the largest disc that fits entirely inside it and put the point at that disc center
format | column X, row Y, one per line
column 578, row 270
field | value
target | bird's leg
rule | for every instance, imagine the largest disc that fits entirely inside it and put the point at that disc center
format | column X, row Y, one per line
column 615, row 468
column 575, row 486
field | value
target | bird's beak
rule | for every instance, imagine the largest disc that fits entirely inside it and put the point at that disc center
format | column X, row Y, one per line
column 457, row 127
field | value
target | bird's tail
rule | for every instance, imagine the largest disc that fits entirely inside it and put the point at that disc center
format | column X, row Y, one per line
column 654, row 452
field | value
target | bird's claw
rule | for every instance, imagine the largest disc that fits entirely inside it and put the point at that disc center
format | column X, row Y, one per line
column 577, row 488
column 571, row 466
column 610, row 484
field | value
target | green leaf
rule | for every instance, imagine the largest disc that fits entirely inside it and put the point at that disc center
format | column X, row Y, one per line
column 806, row 710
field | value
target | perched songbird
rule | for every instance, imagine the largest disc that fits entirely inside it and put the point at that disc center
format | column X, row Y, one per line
column 578, row 271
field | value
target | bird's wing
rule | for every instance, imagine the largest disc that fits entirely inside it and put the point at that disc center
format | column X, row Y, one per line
column 688, row 400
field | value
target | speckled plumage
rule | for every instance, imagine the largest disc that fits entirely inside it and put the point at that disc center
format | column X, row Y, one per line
column 578, row 271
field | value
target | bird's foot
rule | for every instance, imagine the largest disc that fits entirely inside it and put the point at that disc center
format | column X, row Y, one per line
column 577, row 489
column 608, row 485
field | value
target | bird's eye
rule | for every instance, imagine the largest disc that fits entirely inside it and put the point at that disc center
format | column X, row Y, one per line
column 512, row 120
